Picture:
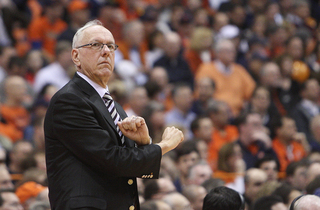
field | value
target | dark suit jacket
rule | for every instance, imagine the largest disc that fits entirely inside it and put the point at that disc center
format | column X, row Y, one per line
column 87, row 169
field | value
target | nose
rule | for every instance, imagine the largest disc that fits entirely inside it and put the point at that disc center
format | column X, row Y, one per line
column 105, row 49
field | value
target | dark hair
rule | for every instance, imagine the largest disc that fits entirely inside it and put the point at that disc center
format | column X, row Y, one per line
column 16, row 61
column 292, row 167
column 313, row 185
column 267, row 158
column 266, row 202
column 151, row 188
column 178, row 86
column 223, row 198
column 195, row 124
column 284, row 191
column 186, row 148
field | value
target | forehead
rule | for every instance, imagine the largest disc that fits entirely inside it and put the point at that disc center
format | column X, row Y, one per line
column 97, row 33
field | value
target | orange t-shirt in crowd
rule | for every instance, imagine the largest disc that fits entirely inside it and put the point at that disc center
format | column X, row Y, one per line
column 234, row 88
column 11, row 132
column 42, row 31
column 219, row 139
column 194, row 59
column 295, row 148
column 15, row 116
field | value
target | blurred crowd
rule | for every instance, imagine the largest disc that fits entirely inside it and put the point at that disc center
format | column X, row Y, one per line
column 239, row 77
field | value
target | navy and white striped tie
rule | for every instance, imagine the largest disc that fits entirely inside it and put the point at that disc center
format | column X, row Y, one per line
column 114, row 114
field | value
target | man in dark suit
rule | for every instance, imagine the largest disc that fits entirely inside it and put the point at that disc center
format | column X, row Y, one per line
column 89, row 163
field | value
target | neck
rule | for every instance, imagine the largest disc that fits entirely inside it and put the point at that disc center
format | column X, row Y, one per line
column 284, row 141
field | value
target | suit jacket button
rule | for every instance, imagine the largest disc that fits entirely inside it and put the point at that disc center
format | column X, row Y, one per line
column 130, row 181
column 131, row 207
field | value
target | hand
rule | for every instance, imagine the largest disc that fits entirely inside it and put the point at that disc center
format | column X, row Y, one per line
column 171, row 137
column 263, row 137
column 135, row 128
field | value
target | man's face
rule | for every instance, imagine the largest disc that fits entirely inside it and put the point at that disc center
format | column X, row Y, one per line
column 183, row 99
column 270, row 167
column 5, row 180
column 96, row 64
column 205, row 129
column 186, row 161
column 201, row 174
column 11, row 201
column 254, row 184
column 288, row 129
column 299, row 178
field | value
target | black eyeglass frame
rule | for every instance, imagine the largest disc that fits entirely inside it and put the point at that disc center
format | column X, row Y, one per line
column 102, row 45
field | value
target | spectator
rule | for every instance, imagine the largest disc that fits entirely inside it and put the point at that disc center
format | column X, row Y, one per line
column 308, row 107
column 228, row 77
column 261, row 103
column 44, row 30
column 195, row 194
column 287, row 193
column 231, row 165
column 204, row 95
column 133, row 46
column 223, row 131
column 288, row 143
column 173, row 61
column 253, row 139
column 200, row 50
column 19, row 152
column 12, row 110
column 253, row 180
column 154, row 115
column 202, row 129
column 181, row 113
column 138, row 100
column 296, row 174
column 9, row 200
column 187, row 156
column 58, row 72
column 222, row 198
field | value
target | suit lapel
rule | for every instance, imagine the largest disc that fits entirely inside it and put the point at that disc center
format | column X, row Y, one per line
column 94, row 97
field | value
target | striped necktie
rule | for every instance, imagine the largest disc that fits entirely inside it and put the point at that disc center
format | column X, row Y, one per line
column 114, row 114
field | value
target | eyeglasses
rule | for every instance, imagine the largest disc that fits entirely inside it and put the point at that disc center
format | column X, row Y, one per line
column 99, row 46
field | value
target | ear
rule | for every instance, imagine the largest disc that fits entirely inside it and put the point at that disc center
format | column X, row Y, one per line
column 75, row 57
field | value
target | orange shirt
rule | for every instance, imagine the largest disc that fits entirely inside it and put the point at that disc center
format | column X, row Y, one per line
column 42, row 30
column 10, row 132
column 227, row 177
column 297, row 152
column 18, row 117
column 234, row 88
column 218, row 140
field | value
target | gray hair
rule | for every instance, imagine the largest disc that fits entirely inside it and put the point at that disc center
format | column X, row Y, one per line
column 80, row 30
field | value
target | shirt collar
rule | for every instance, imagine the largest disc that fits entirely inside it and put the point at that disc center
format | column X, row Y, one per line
column 100, row 90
